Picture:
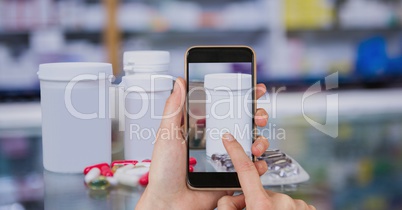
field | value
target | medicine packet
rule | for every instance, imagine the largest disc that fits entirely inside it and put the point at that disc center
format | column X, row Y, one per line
column 282, row 169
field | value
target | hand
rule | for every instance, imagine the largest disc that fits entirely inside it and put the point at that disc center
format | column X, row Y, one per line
column 254, row 197
column 167, row 188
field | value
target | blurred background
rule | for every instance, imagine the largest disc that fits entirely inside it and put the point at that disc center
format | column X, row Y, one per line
column 298, row 43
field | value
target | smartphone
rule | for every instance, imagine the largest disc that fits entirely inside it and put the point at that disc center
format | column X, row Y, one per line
column 220, row 98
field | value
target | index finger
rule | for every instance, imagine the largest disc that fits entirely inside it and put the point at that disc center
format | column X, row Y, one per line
column 248, row 175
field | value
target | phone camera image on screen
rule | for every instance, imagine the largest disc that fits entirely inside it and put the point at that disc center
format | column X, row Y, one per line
column 220, row 100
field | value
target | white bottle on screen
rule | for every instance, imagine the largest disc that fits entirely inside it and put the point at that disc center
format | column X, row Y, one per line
column 228, row 108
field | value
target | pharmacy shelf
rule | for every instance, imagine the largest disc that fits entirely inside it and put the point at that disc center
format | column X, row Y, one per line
column 234, row 34
column 196, row 33
column 172, row 31
column 23, row 36
column 20, row 115
column 207, row 31
column 216, row 29
column 287, row 104
column 340, row 30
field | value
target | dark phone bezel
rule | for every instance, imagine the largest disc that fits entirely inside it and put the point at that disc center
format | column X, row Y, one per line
column 217, row 54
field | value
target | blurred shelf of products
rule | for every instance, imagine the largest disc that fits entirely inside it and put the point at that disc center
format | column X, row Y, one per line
column 297, row 42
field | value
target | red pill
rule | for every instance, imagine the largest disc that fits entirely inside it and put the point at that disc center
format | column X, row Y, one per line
column 124, row 162
column 144, row 179
column 201, row 122
column 106, row 171
column 146, row 161
column 190, row 168
column 87, row 169
column 192, row 161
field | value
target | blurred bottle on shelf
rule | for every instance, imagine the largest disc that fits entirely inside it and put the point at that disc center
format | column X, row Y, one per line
column 308, row 14
column 377, row 14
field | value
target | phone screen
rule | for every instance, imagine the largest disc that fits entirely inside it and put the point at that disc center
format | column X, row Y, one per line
column 220, row 99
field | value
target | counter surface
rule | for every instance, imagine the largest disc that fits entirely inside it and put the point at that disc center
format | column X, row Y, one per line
column 358, row 169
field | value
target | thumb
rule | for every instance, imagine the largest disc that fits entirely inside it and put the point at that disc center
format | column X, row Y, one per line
column 232, row 202
column 173, row 111
column 168, row 145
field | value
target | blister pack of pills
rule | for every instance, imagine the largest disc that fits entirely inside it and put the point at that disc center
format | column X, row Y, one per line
column 282, row 169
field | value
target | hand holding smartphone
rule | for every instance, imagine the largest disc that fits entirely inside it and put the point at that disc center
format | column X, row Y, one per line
column 221, row 98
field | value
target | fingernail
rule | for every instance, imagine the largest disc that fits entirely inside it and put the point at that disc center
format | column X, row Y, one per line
column 227, row 137
column 176, row 86
column 260, row 147
column 262, row 117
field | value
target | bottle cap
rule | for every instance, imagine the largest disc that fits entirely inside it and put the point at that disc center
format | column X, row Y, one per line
column 73, row 71
column 146, row 61
column 225, row 81
column 148, row 82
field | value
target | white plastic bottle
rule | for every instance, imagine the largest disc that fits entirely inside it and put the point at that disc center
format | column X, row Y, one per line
column 146, row 89
column 228, row 108
column 76, row 128
column 146, row 62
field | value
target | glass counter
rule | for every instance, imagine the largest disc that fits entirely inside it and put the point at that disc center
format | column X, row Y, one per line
column 360, row 169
